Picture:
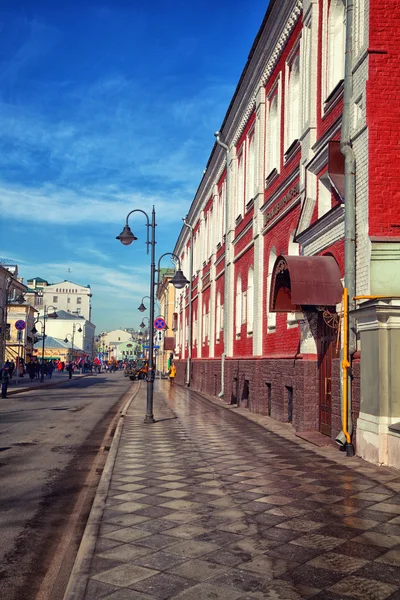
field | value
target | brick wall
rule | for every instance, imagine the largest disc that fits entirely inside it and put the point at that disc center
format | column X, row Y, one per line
column 383, row 118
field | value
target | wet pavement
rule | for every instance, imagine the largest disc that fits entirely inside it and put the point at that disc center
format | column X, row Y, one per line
column 213, row 503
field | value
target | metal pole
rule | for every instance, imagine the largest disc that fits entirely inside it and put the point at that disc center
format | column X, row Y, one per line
column 190, row 318
column 43, row 340
column 149, row 418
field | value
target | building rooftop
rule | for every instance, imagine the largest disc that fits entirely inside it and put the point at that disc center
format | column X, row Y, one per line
column 38, row 280
column 52, row 342
column 63, row 314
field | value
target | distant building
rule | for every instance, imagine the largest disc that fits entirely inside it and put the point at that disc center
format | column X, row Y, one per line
column 57, row 349
column 68, row 325
column 65, row 295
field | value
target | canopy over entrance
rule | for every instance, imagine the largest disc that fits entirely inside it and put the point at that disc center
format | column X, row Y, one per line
column 299, row 281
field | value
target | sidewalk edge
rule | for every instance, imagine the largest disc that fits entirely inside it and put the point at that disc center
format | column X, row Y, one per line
column 80, row 571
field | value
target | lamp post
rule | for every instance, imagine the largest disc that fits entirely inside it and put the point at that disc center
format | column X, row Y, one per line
column 142, row 307
column 74, row 326
column 190, row 317
column 126, row 237
column 46, row 314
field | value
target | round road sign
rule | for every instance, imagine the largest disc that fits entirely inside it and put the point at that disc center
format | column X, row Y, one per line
column 159, row 323
column 20, row 325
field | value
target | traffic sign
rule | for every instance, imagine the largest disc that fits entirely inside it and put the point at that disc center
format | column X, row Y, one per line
column 159, row 323
column 154, row 347
column 20, row 325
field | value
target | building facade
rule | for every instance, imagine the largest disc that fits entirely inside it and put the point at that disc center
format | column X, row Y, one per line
column 74, row 328
column 65, row 295
column 299, row 201
column 12, row 291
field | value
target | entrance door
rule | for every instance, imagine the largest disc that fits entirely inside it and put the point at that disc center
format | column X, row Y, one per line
column 326, row 352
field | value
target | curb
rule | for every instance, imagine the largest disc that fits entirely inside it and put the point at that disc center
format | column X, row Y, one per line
column 80, row 572
column 44, row 385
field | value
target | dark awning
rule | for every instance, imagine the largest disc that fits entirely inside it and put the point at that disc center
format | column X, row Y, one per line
column 299, row 281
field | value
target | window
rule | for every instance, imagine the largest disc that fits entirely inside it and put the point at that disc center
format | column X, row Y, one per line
column 335, row 45
column 55, row 298
column 293, row 101
column 324, row 196
column 79, row 300
column 271, row 316
column 306, row 67
column 273, row 133
column 250, row 301
column 68, row 300
column 250, row 168
column 218, row 318
column 238, row 305
column 240, row 184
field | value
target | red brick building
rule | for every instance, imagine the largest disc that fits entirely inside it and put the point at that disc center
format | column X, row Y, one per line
column 300, row 198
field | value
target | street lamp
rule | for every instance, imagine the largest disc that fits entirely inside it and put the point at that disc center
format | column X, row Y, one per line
column 143, row 324
column 52, row 315
column 74, row 325
column 142, row 307
column 126, row 237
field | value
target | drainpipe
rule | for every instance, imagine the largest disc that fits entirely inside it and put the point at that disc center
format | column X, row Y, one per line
column 226, row 291
column 190, row 336
column 350, row 230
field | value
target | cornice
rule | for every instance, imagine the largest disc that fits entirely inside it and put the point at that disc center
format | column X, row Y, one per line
column 321, row 227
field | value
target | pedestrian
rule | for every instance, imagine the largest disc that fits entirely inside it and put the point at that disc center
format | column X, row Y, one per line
column 11, row 368
column 50, row 369
column 70, row 368
column 172, row 374
column 31, row 370
column 5, row 380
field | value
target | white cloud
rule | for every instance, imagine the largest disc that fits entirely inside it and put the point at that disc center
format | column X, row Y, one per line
column 49, row 204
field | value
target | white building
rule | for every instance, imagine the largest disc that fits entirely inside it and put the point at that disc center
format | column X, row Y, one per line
column 71, row 326
column 65, row 295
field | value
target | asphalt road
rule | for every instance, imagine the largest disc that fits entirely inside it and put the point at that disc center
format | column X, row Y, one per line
column 50, row 439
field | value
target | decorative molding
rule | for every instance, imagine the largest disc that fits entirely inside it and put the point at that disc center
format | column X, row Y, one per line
column 321, row 227
column 243, row 232
column 278, row 48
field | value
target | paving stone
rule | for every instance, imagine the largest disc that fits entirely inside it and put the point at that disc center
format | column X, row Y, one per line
column 124, row 575
column 162, row 585
column 365, row 589
column 207, row 591
column 198, row 569
column 96, row 590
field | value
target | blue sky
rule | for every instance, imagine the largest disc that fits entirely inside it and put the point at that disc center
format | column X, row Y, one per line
column 106, row 107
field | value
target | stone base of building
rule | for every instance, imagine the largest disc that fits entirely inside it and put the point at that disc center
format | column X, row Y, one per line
column 375, row 442
column 286, row 389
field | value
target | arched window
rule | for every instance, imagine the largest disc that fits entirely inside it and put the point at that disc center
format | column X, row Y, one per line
column 293, row 102
column 250, row 301
column 240, row 183
column 250, row 167
column 271, row 316
column 238, row 307
column 336, row 44
column 273, row 135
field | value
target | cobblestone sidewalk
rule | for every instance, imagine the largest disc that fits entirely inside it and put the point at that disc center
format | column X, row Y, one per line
column 206, row 504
